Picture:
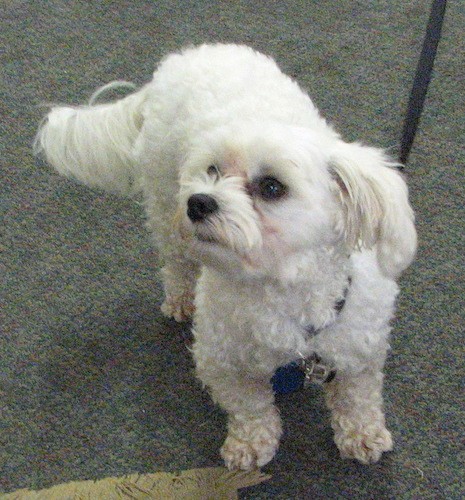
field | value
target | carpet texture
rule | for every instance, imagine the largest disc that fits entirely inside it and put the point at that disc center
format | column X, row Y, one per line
column 94, row 381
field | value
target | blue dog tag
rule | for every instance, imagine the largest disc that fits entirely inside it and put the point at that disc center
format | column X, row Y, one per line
column 288, row 379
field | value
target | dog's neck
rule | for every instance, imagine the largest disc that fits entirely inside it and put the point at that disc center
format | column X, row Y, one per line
column 306, row 285
column 314, row 283
column 307, row 269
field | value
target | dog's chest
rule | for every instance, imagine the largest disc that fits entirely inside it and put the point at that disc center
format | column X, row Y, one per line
column 262, row 323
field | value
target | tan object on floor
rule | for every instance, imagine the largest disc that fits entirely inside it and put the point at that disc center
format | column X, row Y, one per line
column 213, row 483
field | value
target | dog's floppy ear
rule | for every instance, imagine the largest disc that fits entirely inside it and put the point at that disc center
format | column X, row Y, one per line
column 375, row 202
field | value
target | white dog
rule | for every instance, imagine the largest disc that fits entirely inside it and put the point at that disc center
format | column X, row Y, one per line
column 282, row 240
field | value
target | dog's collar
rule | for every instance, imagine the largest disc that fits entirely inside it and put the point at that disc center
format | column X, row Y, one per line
column 314, row 370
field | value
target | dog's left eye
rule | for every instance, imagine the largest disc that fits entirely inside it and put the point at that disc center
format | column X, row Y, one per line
column 270, row 188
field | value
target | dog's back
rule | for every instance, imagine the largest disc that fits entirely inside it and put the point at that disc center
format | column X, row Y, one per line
column 193, row 91
column 211, row 85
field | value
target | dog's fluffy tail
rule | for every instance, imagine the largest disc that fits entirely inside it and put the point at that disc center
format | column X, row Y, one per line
column 95, row 144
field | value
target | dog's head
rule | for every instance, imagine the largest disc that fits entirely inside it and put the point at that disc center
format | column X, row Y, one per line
column 259, row 197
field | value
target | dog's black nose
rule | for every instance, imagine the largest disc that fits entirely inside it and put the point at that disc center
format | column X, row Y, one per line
column 200, row 206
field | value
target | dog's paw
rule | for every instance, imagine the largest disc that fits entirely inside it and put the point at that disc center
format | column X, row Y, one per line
column 238, row 454
column 244, row 455
column 181, row 308
column 365, row 445
column 251, row 443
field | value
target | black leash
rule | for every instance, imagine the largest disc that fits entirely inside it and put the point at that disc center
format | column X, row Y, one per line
column 422, row 77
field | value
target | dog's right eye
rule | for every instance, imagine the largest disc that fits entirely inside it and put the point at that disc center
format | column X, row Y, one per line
column 213, row 171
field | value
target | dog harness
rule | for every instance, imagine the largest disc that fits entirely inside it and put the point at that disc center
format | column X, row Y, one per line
column 312, row 369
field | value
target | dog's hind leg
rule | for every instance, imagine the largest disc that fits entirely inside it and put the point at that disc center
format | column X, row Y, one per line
column 357, row 416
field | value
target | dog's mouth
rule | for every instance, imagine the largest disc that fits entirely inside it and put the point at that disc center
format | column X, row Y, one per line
column 205, row 234
column 218, row 236
column 206, row 238
column 211, row 236
column 210, row 244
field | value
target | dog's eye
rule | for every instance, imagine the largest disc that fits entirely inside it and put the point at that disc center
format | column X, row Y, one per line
column 270, row 189
column 213, row 171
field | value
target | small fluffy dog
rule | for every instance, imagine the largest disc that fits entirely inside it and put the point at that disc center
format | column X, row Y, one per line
column 282, row 241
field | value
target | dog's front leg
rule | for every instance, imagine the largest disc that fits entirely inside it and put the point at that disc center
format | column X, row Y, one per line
column 179, row 279
column 254, row 424
column 357, row 417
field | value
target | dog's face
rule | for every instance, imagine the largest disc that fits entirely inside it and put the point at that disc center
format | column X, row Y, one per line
column 256, row 199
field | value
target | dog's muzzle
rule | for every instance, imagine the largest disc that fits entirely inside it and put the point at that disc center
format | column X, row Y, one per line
column 200, row 206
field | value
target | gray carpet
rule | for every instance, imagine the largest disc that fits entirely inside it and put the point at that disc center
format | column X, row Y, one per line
column 94, row 381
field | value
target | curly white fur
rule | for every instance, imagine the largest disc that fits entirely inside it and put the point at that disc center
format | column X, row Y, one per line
column 260, row 213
